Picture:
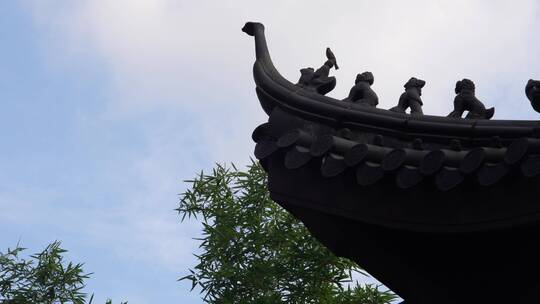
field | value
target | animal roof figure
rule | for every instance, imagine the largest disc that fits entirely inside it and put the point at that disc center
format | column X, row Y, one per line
column 361, row 92
column 466, row 101
column 411, row 97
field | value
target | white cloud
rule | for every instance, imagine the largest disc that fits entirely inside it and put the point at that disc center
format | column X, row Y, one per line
column 162, row 51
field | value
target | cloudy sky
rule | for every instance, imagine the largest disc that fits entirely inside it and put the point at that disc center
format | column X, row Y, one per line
column 107, row 105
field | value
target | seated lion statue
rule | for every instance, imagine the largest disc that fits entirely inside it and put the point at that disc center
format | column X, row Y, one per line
column 411, row 97
column 467, row 101
column 361, row 92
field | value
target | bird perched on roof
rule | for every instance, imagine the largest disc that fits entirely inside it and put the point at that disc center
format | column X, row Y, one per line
column 331, row 57
column 319, row 80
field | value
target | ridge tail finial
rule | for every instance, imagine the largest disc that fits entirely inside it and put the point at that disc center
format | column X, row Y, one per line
column 250, row 27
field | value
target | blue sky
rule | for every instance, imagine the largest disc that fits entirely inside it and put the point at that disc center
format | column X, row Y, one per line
column 108, row 105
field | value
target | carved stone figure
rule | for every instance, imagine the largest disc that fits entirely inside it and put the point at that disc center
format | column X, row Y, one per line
column 411, row 97
column 467, row 101
column 361, row 92
column 319, row 80
column 533, row 93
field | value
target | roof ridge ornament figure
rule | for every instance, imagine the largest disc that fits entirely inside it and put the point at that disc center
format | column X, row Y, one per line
column 361, row 92
column 467, row 101
column 411, row 97
column 319, row 80
column 331, row 57
column 533, row 93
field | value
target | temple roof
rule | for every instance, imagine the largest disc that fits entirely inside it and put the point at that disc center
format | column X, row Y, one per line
column 437, row 208
column 391, row 156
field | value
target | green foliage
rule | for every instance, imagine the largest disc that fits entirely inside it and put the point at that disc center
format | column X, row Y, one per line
column 44, row 279
column 367, row 294
column 253, row 251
